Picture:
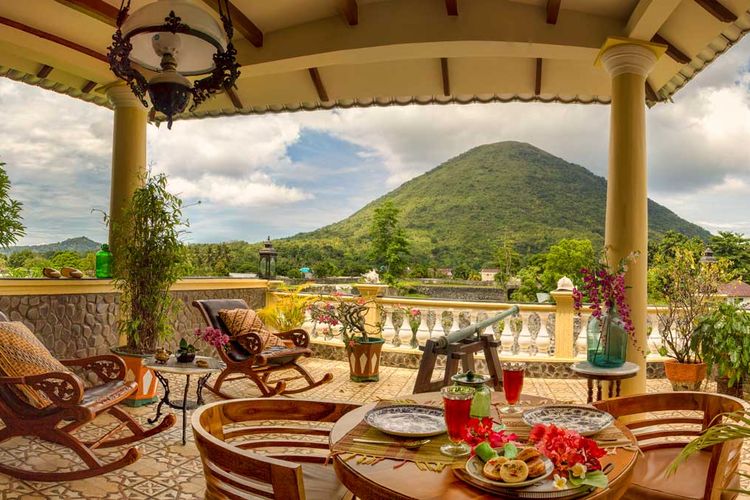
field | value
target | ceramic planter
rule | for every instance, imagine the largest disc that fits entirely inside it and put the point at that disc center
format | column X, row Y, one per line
column 685, row 376
column 134, row 370
column 364, row 359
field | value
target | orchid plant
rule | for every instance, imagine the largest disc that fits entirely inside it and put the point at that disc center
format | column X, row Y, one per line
column 213, row 337
column 347, row 313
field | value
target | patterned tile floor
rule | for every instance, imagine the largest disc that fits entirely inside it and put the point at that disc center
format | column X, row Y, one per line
column 169, row 470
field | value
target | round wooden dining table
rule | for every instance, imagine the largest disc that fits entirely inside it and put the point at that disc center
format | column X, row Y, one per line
column 384, row 481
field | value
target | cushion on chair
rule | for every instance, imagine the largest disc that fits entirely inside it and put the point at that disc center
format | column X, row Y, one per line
column 689, row 482
column 244, row 321
column 21, row 355
column 321, row 483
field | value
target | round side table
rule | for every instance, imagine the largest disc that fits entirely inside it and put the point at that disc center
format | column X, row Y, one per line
column 612, row 375
column 186, row 369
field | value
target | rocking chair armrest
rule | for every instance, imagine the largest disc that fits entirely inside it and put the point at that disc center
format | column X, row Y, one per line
column 251, row 342
column 107, row 367
column 299, row 336
column 62, row 388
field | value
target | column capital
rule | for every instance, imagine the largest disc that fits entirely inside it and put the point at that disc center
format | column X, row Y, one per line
column 624, row 55
column 121, row 96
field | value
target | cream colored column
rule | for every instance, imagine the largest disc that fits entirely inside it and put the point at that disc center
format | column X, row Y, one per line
column 626, row 228
column 128, row 151
column 371, row 293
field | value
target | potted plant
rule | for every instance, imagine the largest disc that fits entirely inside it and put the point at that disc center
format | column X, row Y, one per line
column 148, row 259
column 288, row 310
column 723, row 340
column 688, row 287
column 362, row 340
column 610, row 325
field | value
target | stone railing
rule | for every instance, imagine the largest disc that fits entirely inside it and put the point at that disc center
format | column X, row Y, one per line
column 541, row 332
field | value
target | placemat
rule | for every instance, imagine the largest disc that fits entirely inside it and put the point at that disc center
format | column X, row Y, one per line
column 427, row 457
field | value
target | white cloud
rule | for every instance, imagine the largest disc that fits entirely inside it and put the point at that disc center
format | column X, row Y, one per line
column 256, row 191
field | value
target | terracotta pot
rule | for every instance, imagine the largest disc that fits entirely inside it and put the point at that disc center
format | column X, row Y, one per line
column 685, row 376
column 146, row 393
column 364, row 360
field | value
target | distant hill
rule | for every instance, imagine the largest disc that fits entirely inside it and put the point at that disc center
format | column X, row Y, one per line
column 80, row 244
column 460, row 210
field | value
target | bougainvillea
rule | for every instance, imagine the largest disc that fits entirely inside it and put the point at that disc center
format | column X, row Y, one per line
column 569, row 451
column 479, row 430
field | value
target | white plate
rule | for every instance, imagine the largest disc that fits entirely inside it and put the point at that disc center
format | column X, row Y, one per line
column 413, row 421
column 475, row 465
column 585, row 420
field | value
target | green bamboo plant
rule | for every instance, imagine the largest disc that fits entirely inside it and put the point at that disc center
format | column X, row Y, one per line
column 734, row 426
column 287, row 311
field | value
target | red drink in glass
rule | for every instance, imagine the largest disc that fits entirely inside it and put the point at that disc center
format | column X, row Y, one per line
column 512, row 385
column 456, row 417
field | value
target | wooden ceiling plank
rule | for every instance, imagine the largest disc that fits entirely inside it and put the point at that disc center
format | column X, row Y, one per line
column 241, row 23
column 452, row 7
column 53, row 38
column 553, row 11
column 350, row 10
column 98, row 9
column 651, row 93
column 672, row 51
column 88, row 87
column 648, row 17
column 538, row 78
column 45, row 71
column 232, row 94
column 716, row 9
column 446, row 76
column 318, row 82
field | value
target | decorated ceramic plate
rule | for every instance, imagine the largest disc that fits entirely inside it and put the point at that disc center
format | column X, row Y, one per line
column 475, row 465
column 407, row 420
column 541, row 490
column 585, row 420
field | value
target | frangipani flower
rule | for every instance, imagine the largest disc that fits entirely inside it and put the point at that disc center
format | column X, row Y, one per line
column 560, row 482
column 578, row 470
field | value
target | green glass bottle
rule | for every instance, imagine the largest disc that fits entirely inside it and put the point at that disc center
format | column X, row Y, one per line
column 104, row 262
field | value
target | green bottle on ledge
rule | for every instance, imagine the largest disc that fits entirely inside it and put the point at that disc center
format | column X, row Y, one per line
column 104, row 262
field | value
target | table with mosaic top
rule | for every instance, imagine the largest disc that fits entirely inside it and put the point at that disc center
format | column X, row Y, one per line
column 614, row 376
column 186, row 369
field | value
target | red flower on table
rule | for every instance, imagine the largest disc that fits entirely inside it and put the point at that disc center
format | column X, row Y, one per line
column 566, row 448
column 482, row 430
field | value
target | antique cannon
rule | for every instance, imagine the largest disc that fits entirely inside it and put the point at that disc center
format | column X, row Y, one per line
column 461, row 346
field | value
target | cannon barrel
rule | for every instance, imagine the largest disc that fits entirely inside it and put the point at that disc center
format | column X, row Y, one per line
column 465, row 333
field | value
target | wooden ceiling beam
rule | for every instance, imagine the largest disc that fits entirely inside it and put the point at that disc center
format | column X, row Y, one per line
column 88, row 87
column 350, row 9
column 241, row 23
column 648, row 17
column 538, row 78
column 672, row 51
column 553, row 11
column 452, row 7
column 446, row 76
column 232, row 94
column 318, row 82
column 716, row 9
column 44, row 72
column 651, row 93
column 53, row 38
column 98, row 9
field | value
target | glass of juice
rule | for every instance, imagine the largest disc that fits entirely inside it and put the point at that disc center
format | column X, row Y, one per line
column 457, row 401
column 512, row 385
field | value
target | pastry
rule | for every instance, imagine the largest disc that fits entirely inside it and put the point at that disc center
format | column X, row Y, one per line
column 514, row 471
column 528, row 454
column 492, row 468
column 536, row 467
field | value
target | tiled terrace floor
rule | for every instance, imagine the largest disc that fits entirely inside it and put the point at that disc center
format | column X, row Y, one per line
column 169, row 470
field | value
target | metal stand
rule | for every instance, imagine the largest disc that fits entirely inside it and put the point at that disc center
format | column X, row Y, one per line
column 186, row 405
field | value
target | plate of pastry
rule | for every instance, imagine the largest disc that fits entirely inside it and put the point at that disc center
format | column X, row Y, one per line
column 524, row 468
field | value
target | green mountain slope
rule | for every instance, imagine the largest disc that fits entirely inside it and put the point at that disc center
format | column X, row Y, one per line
column 80, row 244
column 460, row 210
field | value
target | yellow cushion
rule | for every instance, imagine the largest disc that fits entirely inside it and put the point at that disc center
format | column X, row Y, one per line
column 22, row 355
column 244, row 321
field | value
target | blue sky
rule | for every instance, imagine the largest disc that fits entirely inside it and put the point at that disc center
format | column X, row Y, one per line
column 281, row 174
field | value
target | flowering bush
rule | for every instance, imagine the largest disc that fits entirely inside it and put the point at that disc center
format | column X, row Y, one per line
column 414, row 316
column 213, row 337
column 478, row 431
column 606, row 292
column 576, row 458
column 346, row 313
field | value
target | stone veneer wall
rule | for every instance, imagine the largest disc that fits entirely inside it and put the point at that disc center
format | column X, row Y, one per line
column 538, row 369
column 80, row 325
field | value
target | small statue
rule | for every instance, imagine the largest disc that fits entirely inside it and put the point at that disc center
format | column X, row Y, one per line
column 162, row 355
column 372, row 277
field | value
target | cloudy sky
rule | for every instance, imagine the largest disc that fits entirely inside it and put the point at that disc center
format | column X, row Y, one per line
column 281, row 174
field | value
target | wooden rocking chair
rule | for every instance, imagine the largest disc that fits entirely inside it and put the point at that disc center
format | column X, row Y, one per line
column 245, row 356
column 72, row 406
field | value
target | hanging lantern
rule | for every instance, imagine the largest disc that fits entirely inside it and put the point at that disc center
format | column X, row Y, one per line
column 175, row 39
column 267, row 262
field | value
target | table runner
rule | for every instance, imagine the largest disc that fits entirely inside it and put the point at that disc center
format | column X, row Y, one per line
column 429, row 457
